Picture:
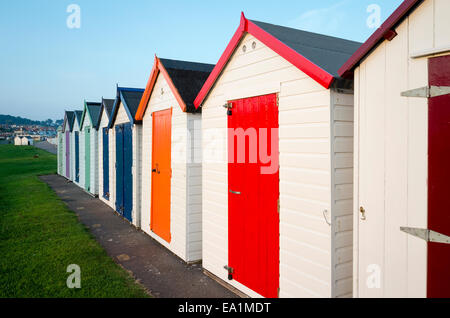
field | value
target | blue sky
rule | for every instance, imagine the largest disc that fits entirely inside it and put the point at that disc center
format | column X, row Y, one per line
column 46, row 68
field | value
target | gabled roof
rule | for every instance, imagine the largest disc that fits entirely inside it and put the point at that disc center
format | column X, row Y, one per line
column 385, row 32
column 130, row 98
column 93, row 111
column 107, row 108
column 319, row 56
column 78, row 116
column 69, row 117
column 185, row 80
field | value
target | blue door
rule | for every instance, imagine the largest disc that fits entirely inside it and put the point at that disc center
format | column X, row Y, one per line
column 105, row 164
column 77, row 156
column 127, row 172
column 119, row 169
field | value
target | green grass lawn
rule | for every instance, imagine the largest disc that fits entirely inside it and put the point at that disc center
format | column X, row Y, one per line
column 40, row 237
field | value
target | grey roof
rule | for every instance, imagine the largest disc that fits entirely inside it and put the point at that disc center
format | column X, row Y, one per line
column 94, row 112
column 132, row 99
column 78, row 115
column 108, row 105
column 188, row 78
column 69, row 118
column 327, row 52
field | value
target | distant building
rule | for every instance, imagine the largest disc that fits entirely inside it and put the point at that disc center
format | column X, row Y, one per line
column 27, row 141
column 18, row 141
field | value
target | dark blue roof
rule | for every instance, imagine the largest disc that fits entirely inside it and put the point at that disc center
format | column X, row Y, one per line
column 130, row 98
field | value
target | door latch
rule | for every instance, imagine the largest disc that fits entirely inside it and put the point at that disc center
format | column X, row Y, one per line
column 230, row 272
column 363, row 213
column 235, row 192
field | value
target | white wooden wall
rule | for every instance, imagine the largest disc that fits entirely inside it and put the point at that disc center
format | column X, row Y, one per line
column 63, row 172
column 82, row 160
column 76, row 127
column 103, row 123
column 59, row 147
column 391, row 174
column 72, row 164
column 342, row 193
column 65, row 152
column 86, row 123
column 307, row 253
column 137, row 174
column 94, row 161
column 185, row 218
column 194, row 187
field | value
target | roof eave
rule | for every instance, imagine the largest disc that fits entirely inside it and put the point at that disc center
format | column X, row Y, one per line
column 246, row 26
column 158, row 68
column 377, row 37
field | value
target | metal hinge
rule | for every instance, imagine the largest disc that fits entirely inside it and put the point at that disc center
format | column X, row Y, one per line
column 278, row 206
column 427, row 92
column 228, row 107
column 230, row 272
column 427, row 235
column 278, row 292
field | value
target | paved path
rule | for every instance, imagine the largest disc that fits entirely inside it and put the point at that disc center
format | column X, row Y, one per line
column 45, row 145
column 160, row 271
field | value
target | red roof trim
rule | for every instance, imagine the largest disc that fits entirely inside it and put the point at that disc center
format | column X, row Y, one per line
column 158, row 67
column 398, row 15
column 318, row 74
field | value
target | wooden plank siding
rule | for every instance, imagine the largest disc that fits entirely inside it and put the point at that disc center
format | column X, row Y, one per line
column 315, row 144
column 76, row 128
column 104, row 121
column 185, row 202
column 397, row 129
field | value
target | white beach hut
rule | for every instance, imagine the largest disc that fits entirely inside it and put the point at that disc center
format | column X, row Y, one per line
column 125, row 148
column 75, row 154
column 277, row 131
column 89, row 147
column 105, row 153
column 69, row 118
column 402, row 133
column 171, row 159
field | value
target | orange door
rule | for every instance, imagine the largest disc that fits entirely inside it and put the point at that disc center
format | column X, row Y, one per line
column 161, row 173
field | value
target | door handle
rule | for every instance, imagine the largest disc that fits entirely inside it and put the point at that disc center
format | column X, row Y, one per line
column 363, row 213
column 235, row 192
column 154, row 170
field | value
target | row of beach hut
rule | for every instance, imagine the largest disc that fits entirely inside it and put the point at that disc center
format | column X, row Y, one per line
column 300, row 165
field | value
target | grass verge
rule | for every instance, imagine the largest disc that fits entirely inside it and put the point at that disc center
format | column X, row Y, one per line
column 40, row 237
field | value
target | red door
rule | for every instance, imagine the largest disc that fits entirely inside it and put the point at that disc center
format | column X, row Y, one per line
column 161, row 173
column 439, row 179
column 253, row 184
